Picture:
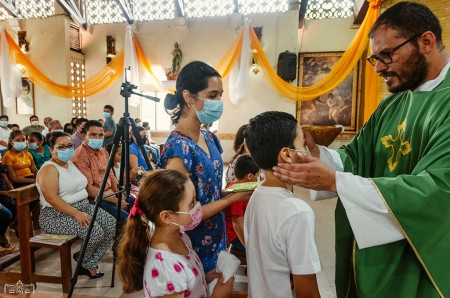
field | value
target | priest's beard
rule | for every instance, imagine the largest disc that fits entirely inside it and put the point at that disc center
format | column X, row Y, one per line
column 411, row 76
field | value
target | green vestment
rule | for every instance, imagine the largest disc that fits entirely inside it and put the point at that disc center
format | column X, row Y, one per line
column 404, row 149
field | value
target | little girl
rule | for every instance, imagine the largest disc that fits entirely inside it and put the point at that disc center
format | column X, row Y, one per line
column 164, row 263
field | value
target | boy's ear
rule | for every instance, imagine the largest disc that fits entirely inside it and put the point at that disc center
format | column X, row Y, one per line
column 284, row 156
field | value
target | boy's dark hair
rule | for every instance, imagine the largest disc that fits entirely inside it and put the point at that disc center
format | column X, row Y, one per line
column 267, row 134
column 244, row 166
column 109, row 107
column 409, row 19
column 91, row 123
column 4, row 116
column 145, row 124
column 14, row 125
column 33, row 116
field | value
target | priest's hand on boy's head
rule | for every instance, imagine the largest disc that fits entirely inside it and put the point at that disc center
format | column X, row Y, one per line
column 310, row 172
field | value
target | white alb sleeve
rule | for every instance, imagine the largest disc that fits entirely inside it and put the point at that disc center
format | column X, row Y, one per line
column 331, row 158
column 371, row 222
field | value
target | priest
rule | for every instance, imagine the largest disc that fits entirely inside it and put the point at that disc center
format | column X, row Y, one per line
column 393, row 178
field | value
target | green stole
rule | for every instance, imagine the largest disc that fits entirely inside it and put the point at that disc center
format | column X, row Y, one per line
column 405, row 150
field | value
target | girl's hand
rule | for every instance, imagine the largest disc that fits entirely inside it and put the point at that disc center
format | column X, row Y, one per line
column 223, row 289
column 83, row 219
column 240, row 196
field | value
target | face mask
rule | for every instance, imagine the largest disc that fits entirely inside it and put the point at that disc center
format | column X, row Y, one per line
column 196, row 214
column 106, row 115
column 34, row 123
column 33, row 146
column 60, row 130
column 4, row 123
column 139, row 124
column 65, row 155
column 212, row 110
column 95, row 143
column 19, row 145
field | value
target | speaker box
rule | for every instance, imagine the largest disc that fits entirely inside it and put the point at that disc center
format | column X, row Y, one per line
column 287, row 66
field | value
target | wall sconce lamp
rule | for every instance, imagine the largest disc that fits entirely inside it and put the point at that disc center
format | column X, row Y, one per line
column 110, row 48
column 255, row 68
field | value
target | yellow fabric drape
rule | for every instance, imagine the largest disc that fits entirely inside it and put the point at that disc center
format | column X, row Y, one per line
column 229, row 59
column 371, row 79
column 104, row 78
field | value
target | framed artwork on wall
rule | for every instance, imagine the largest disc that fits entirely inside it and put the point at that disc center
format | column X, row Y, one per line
column 25, row 99
column 340, row 106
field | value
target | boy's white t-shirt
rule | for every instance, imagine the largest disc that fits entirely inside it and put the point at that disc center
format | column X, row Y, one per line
column 279, row 236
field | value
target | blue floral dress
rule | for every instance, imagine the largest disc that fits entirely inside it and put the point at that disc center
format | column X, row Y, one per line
column 209, row 238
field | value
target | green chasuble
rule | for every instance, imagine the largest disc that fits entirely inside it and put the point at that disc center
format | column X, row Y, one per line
column 404, row 149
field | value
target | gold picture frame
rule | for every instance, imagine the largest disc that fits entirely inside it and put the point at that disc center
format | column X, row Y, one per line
column 340, row 106
column 25, row 99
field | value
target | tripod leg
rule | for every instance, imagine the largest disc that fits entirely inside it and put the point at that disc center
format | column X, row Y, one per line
column 98, row 200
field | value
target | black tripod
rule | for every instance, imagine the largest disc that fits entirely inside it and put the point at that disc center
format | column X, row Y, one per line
column 120, row 137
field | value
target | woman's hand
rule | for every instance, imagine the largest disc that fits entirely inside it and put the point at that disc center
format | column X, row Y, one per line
column 223, row 289
column 82, row 218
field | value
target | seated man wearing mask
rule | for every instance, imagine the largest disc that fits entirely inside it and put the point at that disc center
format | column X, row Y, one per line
column 91, row 159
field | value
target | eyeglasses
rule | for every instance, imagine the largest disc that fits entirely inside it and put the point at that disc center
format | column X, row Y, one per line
column 385, row 57
column 64, row 147
column 302, row 152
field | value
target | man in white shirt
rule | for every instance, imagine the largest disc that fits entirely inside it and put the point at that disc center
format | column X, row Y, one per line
column 5, row 131
column 392, row 229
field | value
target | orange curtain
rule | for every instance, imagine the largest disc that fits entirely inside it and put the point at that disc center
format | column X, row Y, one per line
column 101, row 80
column 229, row 59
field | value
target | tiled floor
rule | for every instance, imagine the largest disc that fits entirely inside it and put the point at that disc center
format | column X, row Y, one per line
column 48, row 261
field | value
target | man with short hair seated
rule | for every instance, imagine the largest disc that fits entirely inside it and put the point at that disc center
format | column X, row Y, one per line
column 91, row 159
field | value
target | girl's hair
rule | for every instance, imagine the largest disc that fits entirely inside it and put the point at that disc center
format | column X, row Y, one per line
column 53, row 136
column 37, row 135
column 12, row 135
column 194, row 78
column 161, row 190
column 239, row 141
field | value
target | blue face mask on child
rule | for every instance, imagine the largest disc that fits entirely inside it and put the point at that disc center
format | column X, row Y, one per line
column 19, row 145
column 33, row 146
column 212, row 110
column 106, row 115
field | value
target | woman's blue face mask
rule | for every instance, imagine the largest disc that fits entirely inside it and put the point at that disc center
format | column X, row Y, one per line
column 211, row 112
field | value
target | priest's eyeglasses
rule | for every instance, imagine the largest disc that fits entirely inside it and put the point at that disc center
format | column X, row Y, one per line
column 385, row 57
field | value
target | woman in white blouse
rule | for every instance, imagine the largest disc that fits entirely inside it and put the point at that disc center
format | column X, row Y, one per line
column 65, row 207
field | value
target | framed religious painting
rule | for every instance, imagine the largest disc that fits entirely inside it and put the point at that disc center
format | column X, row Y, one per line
column 339, row 106
column 25, row 98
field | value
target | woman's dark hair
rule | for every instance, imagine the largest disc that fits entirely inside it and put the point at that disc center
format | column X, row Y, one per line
column 409, row 19
column 53, row 136
column 68, row 130
column 37, row 135
column 267, row 134
column 244, row 166
column 192, row 77
column 12, row 135
column 161, row 190
column 238, row 145
column 72, row 121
